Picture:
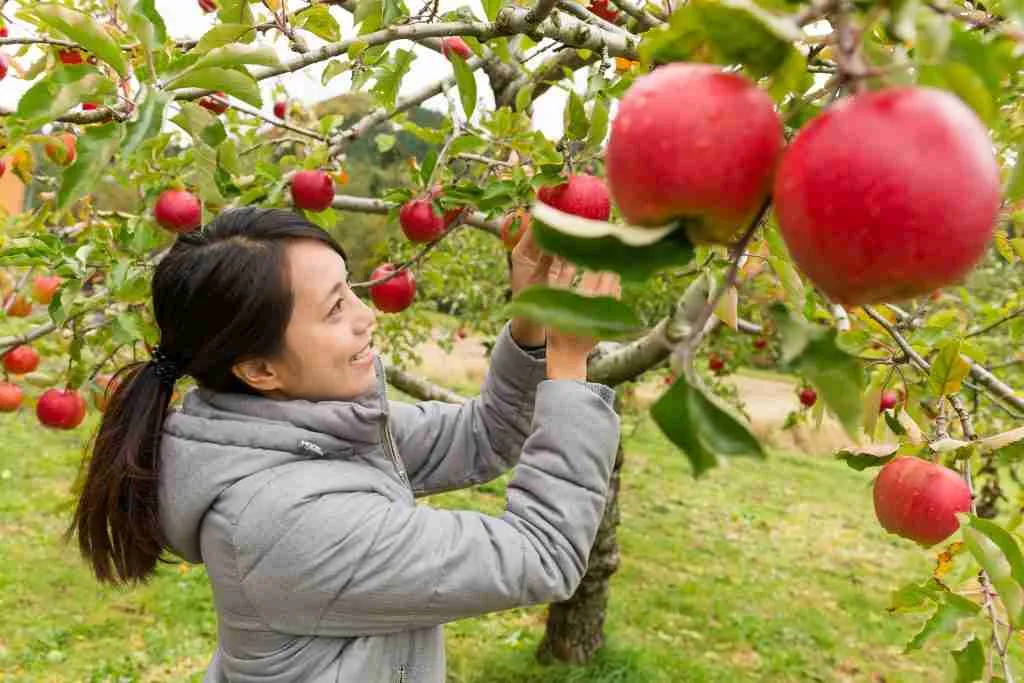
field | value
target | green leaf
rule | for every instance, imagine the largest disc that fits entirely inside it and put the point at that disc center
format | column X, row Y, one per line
column 466, row 82
column 792, row 285
column 1015, row 189
column 204, row 173
column 84, row 30
column 232, row 82
column 704, row 430
column 227, row 157
column 948, row 370
column 61, row 90
column 524, row 97
column 238, row 55
column 491, row 8
column 334, row 68
column 965, row 83
column 731, row 31
column 235, row 12
column 970, row 661
column 950, row 610
column 916, row 597
column 863, row 457
column 200, row 124
column 574, row 117
column 95, row 148
column 600, row 317
column 149, row 120
column 319, row 21
column 389, row 77
column 219, row 35
column 609, row 253
column 127, row 327
column 427, row 168
column 999, row 555
column 385, row 141
column 812, row 351
column 467, row 142
column 146, row 23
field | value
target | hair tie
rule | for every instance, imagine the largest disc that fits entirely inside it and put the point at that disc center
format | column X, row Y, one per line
column 166, row 369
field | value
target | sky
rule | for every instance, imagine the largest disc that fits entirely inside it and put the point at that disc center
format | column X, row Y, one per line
column 185, row 20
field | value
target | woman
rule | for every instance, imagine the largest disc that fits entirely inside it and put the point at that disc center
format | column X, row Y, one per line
column 290, row 475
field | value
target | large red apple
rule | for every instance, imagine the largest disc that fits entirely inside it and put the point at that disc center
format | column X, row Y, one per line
column 60, row 408
column 10, row 397
column 216, row 106
column 582, row 195
column 21, row 360
column 70, row 56
column 44, row 287
column 919, row 500
column 65, row 154
column 312, row 190
column 695, row 144
column 178, row 211
column 20, row 307
column 5, row 64
column 397, row 293
column 456, row 45
column 420, row 222
column 888, row 195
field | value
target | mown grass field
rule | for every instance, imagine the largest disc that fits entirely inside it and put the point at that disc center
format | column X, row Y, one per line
column 772, row 571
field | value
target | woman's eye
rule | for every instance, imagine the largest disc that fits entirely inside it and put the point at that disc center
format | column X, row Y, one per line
column 337, row 306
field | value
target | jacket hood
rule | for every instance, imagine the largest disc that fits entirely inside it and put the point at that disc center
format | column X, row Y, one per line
column 217, row 439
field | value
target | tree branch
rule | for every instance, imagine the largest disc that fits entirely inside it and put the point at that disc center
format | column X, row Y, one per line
column 645, row 19
column 379, row 206
column 540, row 11
column 419, row 387
column 8, row 343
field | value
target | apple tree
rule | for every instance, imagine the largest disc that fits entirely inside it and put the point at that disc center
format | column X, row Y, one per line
column 830, row 187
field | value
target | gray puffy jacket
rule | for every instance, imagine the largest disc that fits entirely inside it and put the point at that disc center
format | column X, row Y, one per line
column 323, row 566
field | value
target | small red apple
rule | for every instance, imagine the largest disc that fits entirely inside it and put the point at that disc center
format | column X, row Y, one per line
column 89, row 106
column 63, row 154
column 216, row 106
column 715, row 363
column 888, row 400
column 70, row 56
column 60, row 408
column 601, row 9
column 312, row 190
column 207, row 6
column 397, row 293
column 3, row 167
column 20, row 307
column 5, row 64
column 917, row 499
column 808, row 396
column 21, row 360
column 708, row 164
column 760, row 343
column 178, row 211
column 44, row 287
column 420, row 222
column 461, row 333
column 582, row 195
column 3, row 31
column 888, row 195
column 280, row 108
column 513, row 225
column 456, row 45
column 10, row 397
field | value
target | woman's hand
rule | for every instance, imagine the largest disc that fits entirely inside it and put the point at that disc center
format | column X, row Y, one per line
column 567, row 353
column 530, row 266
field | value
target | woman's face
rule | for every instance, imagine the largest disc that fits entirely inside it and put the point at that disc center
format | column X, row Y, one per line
column 327, row 351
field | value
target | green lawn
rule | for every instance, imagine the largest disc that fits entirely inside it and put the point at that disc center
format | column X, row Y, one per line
column 771, row 571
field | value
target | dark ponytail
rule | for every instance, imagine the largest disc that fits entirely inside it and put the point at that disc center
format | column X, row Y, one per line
column 220, row 295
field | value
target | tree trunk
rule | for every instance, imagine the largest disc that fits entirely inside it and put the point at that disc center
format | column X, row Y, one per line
column 575, row 628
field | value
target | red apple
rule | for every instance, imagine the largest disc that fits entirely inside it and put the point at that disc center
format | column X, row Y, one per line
column 89, row 106
column 60, row 408
column 760, row 343
column 808, row 396
column 888, row 400
column 461, row 333
column 917, row 499
column 21, row 360
column 397, row 293
column 715, row 363
column 208, row 6
column 70, row 56
column 216, row 106
column 280, row 108
column 3, row 167
column 3, row 31
column 601, row 9
column 178, row 211
column 513, row 225
column 708, row 164
column 44, row 287
column 582, row 195
column 20, row 307
column 65, row 154
column 10, row 397
column 888, row 195
column 312, row 190
column 456, row 45
column 5, row 64
column 420, row 222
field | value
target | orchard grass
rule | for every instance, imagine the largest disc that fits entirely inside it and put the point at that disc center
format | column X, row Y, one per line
column 771, row 571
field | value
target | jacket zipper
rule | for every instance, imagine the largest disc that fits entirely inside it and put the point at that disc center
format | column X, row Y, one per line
column 401, row 674
column 396, row 460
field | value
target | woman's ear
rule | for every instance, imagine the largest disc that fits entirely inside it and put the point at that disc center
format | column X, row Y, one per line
column 259, row 374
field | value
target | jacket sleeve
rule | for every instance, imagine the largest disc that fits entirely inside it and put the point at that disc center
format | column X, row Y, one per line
column 447, row 446
column 355, row 564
